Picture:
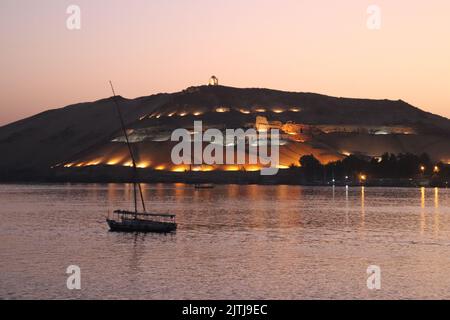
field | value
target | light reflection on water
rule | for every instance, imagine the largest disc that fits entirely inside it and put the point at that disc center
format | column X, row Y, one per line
column 233, row 242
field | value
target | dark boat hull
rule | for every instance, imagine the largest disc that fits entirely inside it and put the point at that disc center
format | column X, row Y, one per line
column 204, row 186
column 141, row 226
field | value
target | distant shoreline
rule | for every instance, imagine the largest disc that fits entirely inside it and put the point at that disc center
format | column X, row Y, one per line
column 284, row 177
column 5, row 183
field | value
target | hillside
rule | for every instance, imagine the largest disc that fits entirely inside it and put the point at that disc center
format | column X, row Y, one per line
column 35, row 144
column 84, row 132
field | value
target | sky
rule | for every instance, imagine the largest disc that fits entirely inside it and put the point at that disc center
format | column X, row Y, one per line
column 152, row 46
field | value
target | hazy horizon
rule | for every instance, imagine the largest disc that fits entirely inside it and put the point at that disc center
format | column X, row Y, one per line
column 148, row 47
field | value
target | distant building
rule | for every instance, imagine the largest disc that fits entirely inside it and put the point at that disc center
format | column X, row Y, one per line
column 262, row 124
column 213, row 81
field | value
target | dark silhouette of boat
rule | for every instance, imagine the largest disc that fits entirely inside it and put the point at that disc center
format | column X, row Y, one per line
column 204, row 186
column 126, row 221
column 134, row 221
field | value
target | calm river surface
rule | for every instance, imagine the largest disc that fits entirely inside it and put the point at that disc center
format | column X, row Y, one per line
column 233, row 242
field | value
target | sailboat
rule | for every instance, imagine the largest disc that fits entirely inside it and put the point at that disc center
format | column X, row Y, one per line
column 134, row 221
column 203, row 186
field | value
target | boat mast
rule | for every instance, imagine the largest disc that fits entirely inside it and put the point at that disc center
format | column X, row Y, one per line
column 122, row 123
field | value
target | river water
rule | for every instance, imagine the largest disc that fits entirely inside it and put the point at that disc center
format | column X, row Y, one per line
column 233, row 242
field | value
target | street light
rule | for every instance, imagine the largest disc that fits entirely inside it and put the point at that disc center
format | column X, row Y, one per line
column 422, row 168
column 436, row 169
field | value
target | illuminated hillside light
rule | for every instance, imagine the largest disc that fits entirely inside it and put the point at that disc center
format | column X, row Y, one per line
column 179, row 169
column 346, row 153
column 113, row 162
column 266, row 142
column 229, row 143
column 250, row 139
column 128, row 164
column 231, row 168
column 222, row 110
column 93, row 163
column 143, row 165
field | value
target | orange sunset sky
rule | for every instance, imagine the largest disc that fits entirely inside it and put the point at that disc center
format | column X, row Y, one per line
column 152, row 46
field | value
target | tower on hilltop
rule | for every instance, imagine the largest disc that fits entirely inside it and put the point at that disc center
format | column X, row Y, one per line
column 213, row 81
